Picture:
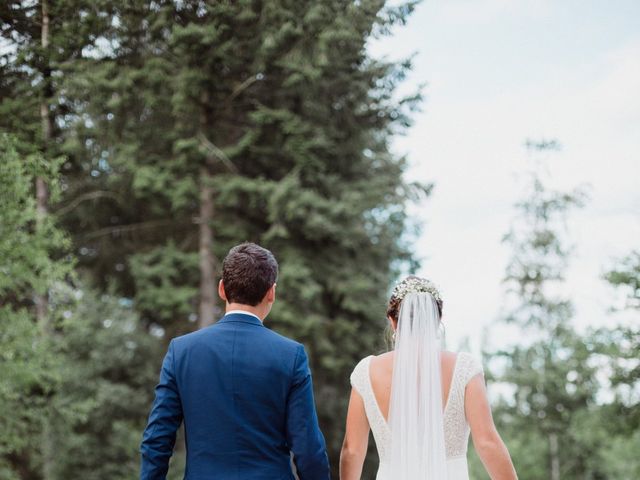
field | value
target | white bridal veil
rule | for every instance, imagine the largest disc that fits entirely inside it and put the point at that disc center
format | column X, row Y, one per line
column 415, row 412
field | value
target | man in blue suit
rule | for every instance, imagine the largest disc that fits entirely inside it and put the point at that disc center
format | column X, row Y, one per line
column 244, row 392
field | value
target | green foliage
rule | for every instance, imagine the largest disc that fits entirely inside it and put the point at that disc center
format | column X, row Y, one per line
column 84, row 388
column 27, row 238
column 559, row 421
column 32, row 75
column 540, row 255
column 551, row 376
column 106, row 386
column 29, row 245
column 619, row 348
column 162, row 276
column 626, row 277
column 620, row 457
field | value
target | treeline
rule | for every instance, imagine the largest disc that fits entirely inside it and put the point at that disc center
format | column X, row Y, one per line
column 141, row 140
column 569, row 399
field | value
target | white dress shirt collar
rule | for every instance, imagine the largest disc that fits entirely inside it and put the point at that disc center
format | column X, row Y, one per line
column 242, row 312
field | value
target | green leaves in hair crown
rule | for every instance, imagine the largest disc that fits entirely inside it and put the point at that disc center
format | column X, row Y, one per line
column 415, row 285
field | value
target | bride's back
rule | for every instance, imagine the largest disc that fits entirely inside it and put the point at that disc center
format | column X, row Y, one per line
column 381, row 376
column 372, row 379
column 426, row 435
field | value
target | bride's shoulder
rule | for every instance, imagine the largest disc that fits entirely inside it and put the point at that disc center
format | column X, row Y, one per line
column 468, row 365
column 363, row 363
column 359, row 375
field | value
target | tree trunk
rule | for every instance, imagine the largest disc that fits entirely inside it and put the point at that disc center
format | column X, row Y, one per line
column 554, row 454
column 42, row 206
column 40, row 299
column 207, row 275
column 42, row 193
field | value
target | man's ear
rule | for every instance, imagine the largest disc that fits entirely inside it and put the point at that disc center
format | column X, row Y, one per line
column 271, row 294
column 221, row 291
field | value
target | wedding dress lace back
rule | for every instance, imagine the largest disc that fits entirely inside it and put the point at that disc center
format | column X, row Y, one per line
column 456, row 427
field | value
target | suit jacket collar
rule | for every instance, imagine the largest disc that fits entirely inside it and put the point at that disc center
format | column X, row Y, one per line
column 241, row 318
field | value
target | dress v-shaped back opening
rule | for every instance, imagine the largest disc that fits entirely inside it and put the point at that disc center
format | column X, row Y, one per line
column 377, row 403
column 456, row 427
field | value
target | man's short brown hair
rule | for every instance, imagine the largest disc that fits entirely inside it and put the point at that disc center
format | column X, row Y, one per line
column 248, row 272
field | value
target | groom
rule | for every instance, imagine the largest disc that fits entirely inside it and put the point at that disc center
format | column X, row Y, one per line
column 243, row 391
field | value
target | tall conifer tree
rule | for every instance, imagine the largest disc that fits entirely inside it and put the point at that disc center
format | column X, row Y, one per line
column 30, row 246
column 217, row 123
column 553, row 383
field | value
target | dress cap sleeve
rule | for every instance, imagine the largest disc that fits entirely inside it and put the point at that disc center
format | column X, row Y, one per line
column 472, row 368
column 359, row 376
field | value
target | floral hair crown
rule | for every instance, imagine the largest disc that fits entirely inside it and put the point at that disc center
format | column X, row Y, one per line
column 415, row 285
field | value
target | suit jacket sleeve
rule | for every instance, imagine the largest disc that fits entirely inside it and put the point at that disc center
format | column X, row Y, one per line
column 165, row 418
column 303, row 433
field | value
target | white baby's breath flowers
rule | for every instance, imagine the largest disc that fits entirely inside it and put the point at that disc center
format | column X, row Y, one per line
column 415, row 285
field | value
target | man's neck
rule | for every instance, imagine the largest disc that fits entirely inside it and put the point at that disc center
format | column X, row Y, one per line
column 257, row 311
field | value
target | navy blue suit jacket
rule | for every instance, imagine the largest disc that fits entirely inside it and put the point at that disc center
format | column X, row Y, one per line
column 246, row 398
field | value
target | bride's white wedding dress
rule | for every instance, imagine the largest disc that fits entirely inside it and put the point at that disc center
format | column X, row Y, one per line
column 456, row 427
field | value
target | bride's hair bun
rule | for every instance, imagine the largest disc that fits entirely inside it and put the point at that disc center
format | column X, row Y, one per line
column 411, row 284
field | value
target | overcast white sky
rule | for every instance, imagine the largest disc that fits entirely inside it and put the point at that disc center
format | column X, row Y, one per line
column 499, row 72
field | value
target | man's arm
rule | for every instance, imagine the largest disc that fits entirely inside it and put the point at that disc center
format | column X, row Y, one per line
column 165, row 418
column 303, row 433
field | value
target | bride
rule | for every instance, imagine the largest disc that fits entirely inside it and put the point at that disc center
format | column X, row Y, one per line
column 420, row 402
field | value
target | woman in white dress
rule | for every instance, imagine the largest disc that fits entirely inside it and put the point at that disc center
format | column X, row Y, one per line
column 420, row 402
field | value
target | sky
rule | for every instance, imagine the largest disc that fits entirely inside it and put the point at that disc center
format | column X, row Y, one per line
column 498, row 72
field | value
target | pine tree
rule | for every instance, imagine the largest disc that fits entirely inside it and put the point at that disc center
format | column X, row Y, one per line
column 553, row 382
column 39, row 40
column 620, row 418
column 84, row 380
column 106, row 385
column 626, row 278
column 30, row 246
column 212, row 124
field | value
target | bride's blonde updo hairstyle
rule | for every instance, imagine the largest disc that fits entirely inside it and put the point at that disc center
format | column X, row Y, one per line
column 411, row 284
